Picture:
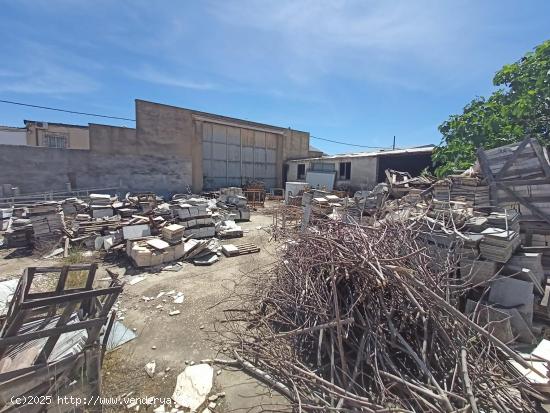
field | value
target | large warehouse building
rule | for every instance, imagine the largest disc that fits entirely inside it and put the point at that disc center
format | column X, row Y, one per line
column 171, row 149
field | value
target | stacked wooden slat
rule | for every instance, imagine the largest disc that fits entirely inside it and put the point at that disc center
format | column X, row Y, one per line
column 504, row 220
column 520, row 177
column 498, row 244
column 462, row 188
column 73, row 206
column 526, row 164
column 47, row 222
column 230, row 250
column 520, row 173
column 19, row 233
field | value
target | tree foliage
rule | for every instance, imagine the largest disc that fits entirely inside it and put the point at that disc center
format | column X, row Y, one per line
column 519, row 107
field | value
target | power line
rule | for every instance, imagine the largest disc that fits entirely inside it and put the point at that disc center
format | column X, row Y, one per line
column 133, row 120
column 348, row 144
column 65, row 110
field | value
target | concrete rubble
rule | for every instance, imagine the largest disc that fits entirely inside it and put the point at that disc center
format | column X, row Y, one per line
column 151, row 231
column 489, row 227
column 193, row 386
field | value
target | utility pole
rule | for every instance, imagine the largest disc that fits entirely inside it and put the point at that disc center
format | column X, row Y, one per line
column 393, row 142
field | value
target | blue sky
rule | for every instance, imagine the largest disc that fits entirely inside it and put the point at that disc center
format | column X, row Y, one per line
column 355, row 71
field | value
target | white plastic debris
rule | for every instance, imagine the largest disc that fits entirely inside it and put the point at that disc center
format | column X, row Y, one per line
column 178, row 299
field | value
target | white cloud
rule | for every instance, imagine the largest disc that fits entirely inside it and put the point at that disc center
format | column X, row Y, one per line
column 149, row 74
column 48, row 79
column 391, row 42
column 34, row 68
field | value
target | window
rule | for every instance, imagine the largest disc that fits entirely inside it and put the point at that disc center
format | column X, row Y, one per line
column 55, row 140
column 345, row 171
column 322, row 167
column 301, row 171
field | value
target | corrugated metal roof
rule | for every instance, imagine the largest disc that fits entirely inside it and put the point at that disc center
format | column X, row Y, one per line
column 314, row 149
column 419, row 149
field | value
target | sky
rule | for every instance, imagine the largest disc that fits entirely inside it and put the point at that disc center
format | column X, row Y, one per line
column 358, row 72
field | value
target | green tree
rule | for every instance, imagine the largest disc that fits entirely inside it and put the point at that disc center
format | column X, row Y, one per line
column 519, row 107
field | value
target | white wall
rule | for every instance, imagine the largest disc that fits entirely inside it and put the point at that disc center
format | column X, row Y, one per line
column 363, row 170
column 14, row 137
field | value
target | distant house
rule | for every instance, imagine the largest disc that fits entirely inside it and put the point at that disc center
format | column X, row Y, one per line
column 57, row 135
column 362, row 170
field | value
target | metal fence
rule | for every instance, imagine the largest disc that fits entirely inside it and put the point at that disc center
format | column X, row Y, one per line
column 28, row 199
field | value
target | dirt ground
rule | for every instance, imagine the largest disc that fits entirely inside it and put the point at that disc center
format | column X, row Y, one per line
column 175, row 341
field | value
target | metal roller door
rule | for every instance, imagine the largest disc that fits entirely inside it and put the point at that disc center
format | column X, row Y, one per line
column 232, row 156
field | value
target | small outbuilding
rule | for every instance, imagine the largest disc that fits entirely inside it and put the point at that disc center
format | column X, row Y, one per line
column 361, row 170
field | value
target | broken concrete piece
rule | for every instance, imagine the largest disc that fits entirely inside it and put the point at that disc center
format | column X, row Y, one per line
column 512, row 293
column 175, row 312
column 108, row 242
column 175, row 267
column 158, row 244
column 193, row 386
column 55, row 252
column 136, row 279
column 150, row 368
column 230, row 250
column 208, row 259
column 135, row 231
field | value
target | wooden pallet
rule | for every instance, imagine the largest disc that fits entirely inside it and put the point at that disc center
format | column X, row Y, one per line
column 242, row 249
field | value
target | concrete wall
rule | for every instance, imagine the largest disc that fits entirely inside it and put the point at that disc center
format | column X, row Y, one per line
column 13, row 137
column 78, row 137
column 113, row 139
column 168, row 130
column 363, row 171
column 164, row 153
column 39, row 169
column 210, row 142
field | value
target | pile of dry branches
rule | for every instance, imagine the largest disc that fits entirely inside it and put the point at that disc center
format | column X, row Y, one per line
column 364, row 319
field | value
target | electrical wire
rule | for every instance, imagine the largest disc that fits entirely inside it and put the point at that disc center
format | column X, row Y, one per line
column 133, row 120
column 350, row 144
column 65, row 110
